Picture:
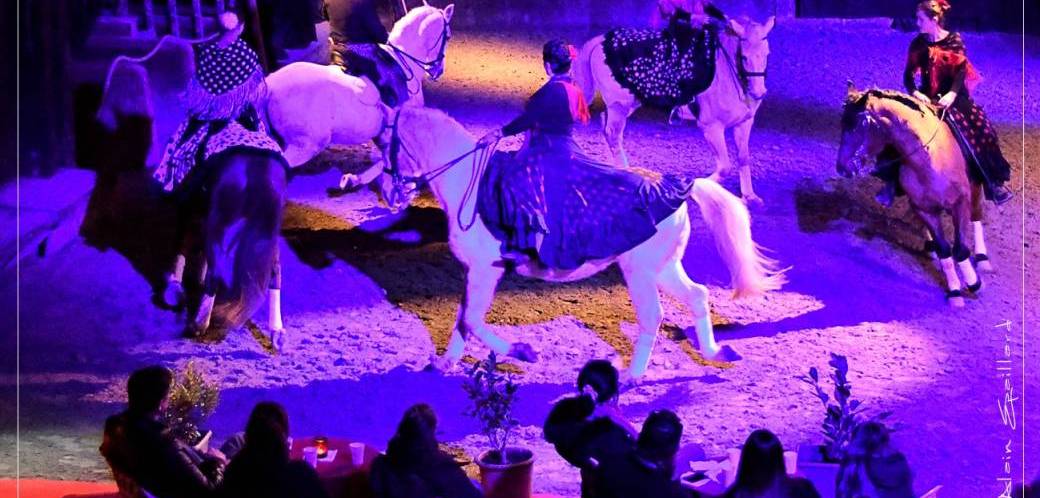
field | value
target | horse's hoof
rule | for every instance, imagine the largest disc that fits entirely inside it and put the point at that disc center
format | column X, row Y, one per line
column 194, row 330
column 975, row 288
column 349, row 181
column 754, row 200
column 277, row 337
column 982, row 263
column 955, row 298
column 173, row 295
column 725, row 354
column 523, row 352
column 440, row 364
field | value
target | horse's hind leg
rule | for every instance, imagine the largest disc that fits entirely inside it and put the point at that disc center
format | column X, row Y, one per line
column 716, row 137
column 982, row 260
column 274, row 303
column 674, row 280
column 615, row 119
column 742, row 136
column 945, row 253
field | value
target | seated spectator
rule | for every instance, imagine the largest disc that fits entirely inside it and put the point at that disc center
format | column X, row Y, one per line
column 138, row 445
column 872, row 468
column 647, row 469
column 415, row 467
column 588, row 428
column 262, row 469
column 762, row 472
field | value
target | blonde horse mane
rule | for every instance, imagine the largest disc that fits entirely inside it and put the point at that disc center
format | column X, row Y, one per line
column 426, row 127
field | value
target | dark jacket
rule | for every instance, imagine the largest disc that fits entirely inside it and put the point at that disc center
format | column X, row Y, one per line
column 354, row 21
column 250, row 475
column 879, row 476
column 140, row 447
column 551, row 110
column 629, row 476
column 789, row 487
column 436, row 476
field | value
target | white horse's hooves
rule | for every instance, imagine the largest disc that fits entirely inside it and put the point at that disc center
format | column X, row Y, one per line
column 754, row 200
column 348, row 181
column 956, row 301
column 984, row 265
column 523, row 352
column 277, row 337
column 173, row 295
column 441, row 364
column 724, row 354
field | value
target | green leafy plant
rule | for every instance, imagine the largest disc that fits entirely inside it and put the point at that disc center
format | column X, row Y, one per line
column 493, row 394
column 192, row 400
column 844, row 415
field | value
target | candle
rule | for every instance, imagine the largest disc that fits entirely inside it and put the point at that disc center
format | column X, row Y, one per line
column 322, row 444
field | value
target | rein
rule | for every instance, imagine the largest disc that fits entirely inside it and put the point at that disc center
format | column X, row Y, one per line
column 427, row 66
column 923, row 147
column 483, row 157
column 743, row 76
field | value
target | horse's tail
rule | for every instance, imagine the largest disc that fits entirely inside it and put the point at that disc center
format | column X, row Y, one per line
column 583, row 70
column 752, row 273
column 245, row 256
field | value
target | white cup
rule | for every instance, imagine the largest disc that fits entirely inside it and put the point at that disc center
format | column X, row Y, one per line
column 310, row 455
column 357, row 454
column 791, row 462
column 734, row 464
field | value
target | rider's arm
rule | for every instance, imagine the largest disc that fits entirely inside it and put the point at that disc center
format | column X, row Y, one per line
column 911, row 69
column 539, row 105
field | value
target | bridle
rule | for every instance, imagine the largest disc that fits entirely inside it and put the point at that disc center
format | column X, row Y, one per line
column 407, row 185
column 871, row 123
column 739, row 69
column 427, row 66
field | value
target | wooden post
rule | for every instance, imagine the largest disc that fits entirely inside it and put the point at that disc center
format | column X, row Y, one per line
column 171, row 14
column 196, row 17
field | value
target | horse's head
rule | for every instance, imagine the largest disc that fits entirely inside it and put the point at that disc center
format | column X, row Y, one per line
column 423, row 35
column 752, row 53
column 872, row 119
column 421, row 143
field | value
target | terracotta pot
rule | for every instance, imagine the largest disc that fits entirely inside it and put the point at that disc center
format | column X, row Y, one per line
column 506, row 480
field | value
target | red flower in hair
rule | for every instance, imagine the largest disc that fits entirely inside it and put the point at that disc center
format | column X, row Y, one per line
column 572, row 51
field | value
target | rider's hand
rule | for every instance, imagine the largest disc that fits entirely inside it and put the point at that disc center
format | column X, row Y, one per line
column 491, row 137
column 922, row 97
column 947, row 100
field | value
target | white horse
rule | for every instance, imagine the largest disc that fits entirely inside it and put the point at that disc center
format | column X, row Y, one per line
column 311, row 106
column 432, row 147
column 730, row 102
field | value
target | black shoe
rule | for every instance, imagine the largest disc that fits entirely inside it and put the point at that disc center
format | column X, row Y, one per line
column 1001, row 194
column 886, row 195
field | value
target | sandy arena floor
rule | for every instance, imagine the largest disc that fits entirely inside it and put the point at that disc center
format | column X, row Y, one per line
column 369, row 296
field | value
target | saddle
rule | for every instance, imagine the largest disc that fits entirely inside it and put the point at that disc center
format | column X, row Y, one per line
column 377, row 64
column 663, row 69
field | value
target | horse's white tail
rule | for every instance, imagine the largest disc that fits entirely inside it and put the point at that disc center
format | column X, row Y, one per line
column 582, row 69
column 752, row 273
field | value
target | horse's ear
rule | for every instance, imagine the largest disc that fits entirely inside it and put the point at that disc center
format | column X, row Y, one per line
column 425, row 3
column 449, row 11
column 736, row 28
column 768, row 26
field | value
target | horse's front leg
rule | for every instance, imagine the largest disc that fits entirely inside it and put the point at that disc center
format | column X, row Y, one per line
column 274, row 303
column 961, row 249
column 944, row 252
column 742, row 136
column 716, row 136
column 981, row 253
column 197, row 327
column 614, row 121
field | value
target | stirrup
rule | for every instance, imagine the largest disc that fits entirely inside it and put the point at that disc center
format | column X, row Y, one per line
column 1001, row 194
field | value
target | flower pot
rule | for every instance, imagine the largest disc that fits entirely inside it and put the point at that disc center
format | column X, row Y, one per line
column 508, row 479
column 812, row 465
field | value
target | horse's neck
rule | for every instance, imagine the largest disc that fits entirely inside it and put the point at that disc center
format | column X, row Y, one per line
column 450, row 187
column 726, row 87
column 909, row 132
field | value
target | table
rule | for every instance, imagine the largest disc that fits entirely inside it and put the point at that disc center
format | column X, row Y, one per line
column 341, row 477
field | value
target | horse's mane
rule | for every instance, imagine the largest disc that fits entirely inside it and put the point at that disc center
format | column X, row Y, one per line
column 410, row 22
column 426, row 120
column 856, row 104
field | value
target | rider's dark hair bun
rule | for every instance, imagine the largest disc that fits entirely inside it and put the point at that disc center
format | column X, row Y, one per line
column 558, row 54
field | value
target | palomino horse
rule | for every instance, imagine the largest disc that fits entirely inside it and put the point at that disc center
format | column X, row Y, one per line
column 731, row 100
column 311, row 106
column 933, row 173
column 428, row 146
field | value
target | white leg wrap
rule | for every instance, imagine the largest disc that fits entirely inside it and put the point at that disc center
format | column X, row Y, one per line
column 706, row 335
column 952, row 281
column 980, row 239
column 641, row 357
column 205, row 311
column 177, row 275
column 274, row 309
column 456, row 346
column 968, row 272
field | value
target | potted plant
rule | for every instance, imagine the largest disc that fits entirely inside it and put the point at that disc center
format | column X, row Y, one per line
column 192, row 400
column 819, row 463
column 505, row 471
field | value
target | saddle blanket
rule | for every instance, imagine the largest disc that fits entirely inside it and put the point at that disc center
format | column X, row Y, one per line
column 663, row 69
